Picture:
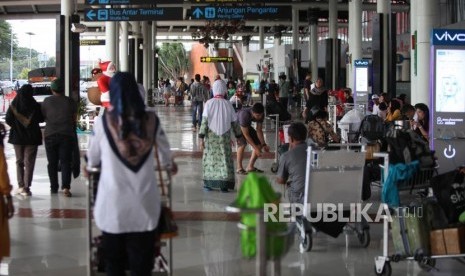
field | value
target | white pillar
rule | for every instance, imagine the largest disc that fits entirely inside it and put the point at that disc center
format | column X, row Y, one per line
column 110, row 39
column 355, row 38
column 66, row 10
column 152, row 55
column 136, row 32
column 314, row 51
column 261, row 37
column 245, row 50
column 277, row 43
column 123, row 55
column 428, row 18
column 384, row 7
column 149, row 58
column 333, row 34
column 413, row 51
column 144, row 53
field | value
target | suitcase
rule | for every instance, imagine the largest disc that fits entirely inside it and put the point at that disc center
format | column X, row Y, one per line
column 410, row 232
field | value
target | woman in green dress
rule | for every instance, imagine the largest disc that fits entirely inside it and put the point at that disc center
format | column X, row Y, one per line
column 218, row 120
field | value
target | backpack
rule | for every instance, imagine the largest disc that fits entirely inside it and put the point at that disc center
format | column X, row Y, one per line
column 406, row 146
column 372, row 128
column 421, row 150
column 278, row 108
column 399, row 146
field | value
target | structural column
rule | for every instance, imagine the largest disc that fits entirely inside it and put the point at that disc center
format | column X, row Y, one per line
column 277, row 43
column 145, row 47
column 154, row 55
column 295, row 45
column 136, row 31
column 313, row 40
column 230, row 65
column 123, row 55
column 333, row 35
column 413, row 50
column 427, row 19
column 261, row 37
column 245, row 50
column 355, row 39
column 384, row 7
column 66, row 10
column 110, row 41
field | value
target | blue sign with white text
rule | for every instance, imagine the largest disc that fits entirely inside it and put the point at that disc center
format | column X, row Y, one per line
column 448, row 37
column 131, row 2
column 241, row 12
column 361, row 63
column 133, row 14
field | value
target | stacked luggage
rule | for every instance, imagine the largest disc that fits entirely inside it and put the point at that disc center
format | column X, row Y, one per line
column 429, row 228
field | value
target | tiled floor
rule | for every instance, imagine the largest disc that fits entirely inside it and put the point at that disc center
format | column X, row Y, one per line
column 49, row 232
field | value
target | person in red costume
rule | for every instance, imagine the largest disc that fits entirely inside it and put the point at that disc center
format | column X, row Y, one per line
column 108, row 70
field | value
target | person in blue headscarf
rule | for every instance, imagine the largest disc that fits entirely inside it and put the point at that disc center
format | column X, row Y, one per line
column 128, row 203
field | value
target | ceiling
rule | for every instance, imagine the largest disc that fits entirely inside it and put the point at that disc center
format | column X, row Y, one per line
column 38, row 9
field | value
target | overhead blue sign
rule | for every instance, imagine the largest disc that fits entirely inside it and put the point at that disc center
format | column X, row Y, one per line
column 242, row 12
column 131, row 2
column 145, row 14
column 448, row 37
column 361, row 63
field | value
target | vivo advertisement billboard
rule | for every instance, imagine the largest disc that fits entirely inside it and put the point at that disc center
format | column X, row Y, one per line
column 448, row 97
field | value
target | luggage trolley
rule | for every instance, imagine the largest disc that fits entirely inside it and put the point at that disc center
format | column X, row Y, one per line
column 334, row 176
column 158, row 97
column 95, row 266
column 419, row 180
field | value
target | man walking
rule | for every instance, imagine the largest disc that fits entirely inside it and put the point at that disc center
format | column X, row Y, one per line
column 199, row 96
column 59, row 112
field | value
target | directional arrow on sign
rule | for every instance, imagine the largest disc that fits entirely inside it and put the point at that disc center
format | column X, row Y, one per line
column 91, row 15
column 91, row 1
column 197, row 13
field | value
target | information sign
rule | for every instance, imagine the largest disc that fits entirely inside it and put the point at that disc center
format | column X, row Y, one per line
column 92, row 42
column 132, row 2
column 133, row 14
column 216, row 59
column 241, row 12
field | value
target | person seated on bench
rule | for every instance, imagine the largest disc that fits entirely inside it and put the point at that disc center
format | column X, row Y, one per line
column 320, row 130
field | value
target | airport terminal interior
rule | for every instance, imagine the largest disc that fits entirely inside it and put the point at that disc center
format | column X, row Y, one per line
column 415, row 48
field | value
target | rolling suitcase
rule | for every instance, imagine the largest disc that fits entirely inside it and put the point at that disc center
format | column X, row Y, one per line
column 410, row 233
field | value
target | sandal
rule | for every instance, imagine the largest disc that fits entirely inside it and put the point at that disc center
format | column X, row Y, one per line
column 255, row 170
column 241, row 171
column 67, row 193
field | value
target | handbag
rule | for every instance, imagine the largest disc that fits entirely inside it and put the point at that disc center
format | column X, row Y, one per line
column 167, row 227
column 449, row 189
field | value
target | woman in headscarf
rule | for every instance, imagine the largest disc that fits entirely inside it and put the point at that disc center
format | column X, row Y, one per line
column 127, row 208
column 215, row 140
column 24, row 116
